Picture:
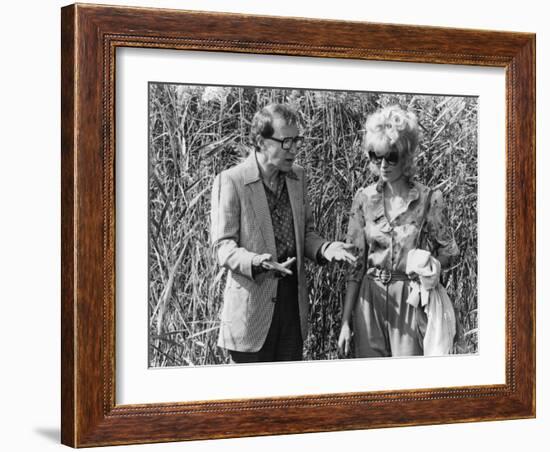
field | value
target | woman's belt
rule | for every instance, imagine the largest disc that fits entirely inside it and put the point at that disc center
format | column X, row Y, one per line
column 386, row 276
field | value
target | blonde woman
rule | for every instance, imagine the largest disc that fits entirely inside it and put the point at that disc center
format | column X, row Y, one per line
column 388, row 219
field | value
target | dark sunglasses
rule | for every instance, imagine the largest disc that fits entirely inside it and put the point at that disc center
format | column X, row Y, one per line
column 286, row 143
column 391, row 158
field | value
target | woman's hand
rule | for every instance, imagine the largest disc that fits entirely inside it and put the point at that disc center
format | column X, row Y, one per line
column 344, row 341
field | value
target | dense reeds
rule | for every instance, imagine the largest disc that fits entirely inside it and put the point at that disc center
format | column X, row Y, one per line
column 197, row 131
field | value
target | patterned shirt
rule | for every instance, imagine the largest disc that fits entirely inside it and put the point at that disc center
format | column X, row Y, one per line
column 383, row 243
column 282, row 218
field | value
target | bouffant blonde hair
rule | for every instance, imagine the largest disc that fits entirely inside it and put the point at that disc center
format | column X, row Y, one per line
column 392, row 128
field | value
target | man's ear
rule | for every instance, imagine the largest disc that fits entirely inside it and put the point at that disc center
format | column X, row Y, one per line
column 260, row 142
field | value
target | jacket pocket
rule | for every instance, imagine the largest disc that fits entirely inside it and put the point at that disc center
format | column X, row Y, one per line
column 235, row 306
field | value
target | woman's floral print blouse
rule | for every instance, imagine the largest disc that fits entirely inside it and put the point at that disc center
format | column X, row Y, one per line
column 383, row 243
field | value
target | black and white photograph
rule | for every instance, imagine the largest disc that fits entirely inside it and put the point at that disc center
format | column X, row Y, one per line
column 289, row 224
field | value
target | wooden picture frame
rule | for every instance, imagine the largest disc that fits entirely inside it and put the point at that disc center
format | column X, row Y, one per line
column 90, row 36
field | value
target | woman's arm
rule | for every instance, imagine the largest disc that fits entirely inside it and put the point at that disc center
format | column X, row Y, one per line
column 440, row 231
column 352, row 290
column 355, row 236
column 344, row 340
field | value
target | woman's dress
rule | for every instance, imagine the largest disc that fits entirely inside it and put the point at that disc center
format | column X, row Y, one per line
column 383, row 323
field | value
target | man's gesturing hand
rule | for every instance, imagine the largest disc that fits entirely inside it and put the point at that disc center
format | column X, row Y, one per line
column 267, row 263
column 340, row 251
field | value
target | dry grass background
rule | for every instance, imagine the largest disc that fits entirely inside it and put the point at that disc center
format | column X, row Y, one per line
column 197, row 131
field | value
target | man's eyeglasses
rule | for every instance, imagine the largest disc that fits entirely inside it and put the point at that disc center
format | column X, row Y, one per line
column 391, row 158
column 286, row 143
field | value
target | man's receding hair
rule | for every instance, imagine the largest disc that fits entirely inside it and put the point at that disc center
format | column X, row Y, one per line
column 262, row 123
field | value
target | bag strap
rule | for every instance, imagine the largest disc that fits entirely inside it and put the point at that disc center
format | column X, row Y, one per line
column 424, row 215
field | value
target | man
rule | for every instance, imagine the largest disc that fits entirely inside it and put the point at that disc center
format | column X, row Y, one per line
column 261, row 231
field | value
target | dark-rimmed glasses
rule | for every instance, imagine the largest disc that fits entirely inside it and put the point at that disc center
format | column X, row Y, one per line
column 391, row 158
column 286, row 143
